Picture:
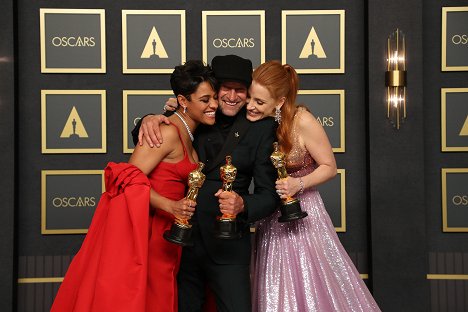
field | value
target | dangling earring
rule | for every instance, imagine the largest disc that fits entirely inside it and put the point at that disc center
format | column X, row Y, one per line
column 278, row 115
column 185, row 109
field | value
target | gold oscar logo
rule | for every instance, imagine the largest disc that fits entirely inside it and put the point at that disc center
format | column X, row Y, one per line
column 74, row 127
column 233, row 43
column 464, row 129
column 312, row 47
column 73, row 41
column 79, row 201
column 460, row 200
column 460, row 39
column 326, row 121
column 154, row 47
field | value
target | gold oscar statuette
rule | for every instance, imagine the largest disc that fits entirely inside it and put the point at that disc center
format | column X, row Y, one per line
column 226, row 224
column 181, row 230
column 290, row 207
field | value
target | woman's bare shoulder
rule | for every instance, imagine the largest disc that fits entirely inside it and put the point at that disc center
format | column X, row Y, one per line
column 305, row 119
column 169, row 132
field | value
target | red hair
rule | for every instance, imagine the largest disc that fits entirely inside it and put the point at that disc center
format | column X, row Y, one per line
column 281, row 81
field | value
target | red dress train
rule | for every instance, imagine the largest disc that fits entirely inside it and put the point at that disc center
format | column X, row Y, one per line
column 124, row 263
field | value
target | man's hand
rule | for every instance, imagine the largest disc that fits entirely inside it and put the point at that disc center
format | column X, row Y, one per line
column 171, row 105
column 150, row 130
column 230, row 203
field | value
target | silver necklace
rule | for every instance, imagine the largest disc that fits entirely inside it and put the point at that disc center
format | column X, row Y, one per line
column 186, row 125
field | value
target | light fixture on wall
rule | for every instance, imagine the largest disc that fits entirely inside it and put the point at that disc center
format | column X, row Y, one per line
column 395, row 78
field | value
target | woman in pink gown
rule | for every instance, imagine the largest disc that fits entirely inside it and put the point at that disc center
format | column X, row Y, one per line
column 300, row 265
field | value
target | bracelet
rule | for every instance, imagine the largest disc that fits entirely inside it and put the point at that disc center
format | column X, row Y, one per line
column 301, row 183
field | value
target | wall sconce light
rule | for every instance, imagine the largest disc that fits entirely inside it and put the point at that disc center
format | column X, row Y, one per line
column 395, row 78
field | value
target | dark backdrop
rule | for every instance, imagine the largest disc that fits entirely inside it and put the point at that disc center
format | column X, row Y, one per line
column 393, row 196
column 447, row 252
column 7, row 153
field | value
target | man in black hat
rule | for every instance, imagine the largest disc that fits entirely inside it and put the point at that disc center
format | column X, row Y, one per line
column 223, row 264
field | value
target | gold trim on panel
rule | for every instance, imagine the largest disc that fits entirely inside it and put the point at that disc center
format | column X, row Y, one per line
column 341, row 93
column 443, row 116
column 45, row 150
column 183, row 52
column 284, row 14
column 447, row 277
column 342, row 228
column 445, row 227
column 205, row 14
column 444, row 39
column 39, row 280
column 443, row 62
column 42, row 25
column 341, row 69
column 125, row 94
column 44, row 174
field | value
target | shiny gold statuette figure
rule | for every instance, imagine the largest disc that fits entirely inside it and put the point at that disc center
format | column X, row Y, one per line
column 226, row 225
column 181, row 229
column 290, row 207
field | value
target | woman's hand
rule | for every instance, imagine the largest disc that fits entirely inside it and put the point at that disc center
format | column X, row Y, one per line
column 288, row 187
column 183, row 209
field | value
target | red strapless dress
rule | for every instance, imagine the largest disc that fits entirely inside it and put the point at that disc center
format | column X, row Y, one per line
column 124, row 263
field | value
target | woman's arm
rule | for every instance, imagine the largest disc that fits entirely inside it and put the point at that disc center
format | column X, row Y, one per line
column 313, row 137
column 146, row 159
column 317, row 144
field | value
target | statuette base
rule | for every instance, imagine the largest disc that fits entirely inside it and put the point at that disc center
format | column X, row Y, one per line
column 291, row 211
column 179, row 234
column 227, row 229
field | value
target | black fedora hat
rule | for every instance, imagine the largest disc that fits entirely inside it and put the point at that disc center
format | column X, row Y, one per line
column 232, row 68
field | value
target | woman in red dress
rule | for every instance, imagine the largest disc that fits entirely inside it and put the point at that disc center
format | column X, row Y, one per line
column 124, row 263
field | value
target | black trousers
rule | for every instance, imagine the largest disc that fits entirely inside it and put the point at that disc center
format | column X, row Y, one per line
column 229, row 283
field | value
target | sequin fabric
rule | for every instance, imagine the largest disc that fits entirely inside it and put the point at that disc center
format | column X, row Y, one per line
column 301, row 265
column 298, row 158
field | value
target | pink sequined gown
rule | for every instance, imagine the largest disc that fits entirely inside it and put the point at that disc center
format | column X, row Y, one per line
column 301, row 265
